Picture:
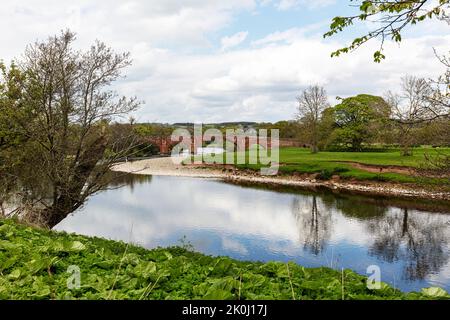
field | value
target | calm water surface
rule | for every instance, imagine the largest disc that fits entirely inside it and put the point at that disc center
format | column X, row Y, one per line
column 411, row 247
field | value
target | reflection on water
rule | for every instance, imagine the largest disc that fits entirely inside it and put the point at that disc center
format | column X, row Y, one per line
column 315, row 226
column 411, row 247
column 416, row 239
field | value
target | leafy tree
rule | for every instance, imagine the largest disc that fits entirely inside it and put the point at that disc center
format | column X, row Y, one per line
column 11, row 135
column 356, row 119
column 63, row 107
column 390, row 18
column 11, row 82
column 311, row 103
column 288, row 129
column 434, row 133
column 327, row 125
column 135, row 135
column 153, row 130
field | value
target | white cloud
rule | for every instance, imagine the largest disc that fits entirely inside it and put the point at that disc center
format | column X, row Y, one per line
column 165, row 23
column 265, row 2
column 292, row 4
column 234, row 40
column 287, row 4
column 290, row 35
column 183, row 76
column 261, row 82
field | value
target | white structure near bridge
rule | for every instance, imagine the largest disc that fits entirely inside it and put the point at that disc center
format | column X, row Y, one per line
column 210, row 150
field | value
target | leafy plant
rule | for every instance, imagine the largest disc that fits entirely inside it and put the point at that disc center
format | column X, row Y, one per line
column 34, row 265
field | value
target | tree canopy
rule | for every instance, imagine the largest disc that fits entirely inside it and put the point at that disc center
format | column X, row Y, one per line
column 355, row 118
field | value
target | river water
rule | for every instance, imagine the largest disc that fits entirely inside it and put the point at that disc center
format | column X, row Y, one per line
column 411, row 247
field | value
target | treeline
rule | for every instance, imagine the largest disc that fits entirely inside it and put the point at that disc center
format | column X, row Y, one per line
column 417, row 115
column 366, row 122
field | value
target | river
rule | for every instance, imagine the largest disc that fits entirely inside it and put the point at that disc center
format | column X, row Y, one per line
column 410, row 246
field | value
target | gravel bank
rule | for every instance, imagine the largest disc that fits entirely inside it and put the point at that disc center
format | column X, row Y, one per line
column 173, row 167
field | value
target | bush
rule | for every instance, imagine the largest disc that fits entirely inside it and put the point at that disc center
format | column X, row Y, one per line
column 341, row 170
column 325, row 175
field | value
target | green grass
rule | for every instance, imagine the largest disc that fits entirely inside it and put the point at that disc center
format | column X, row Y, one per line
column 34, row 265
column 327, row 164
column 333, row 163
column 389, row 157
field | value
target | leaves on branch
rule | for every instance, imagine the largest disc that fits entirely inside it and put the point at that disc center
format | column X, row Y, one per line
column 391, row 16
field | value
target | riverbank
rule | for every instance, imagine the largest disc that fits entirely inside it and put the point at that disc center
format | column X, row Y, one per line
column 168, row 167
column 40, row 264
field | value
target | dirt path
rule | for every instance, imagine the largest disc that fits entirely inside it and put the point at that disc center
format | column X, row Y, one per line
column 373, row 168
column 168, row 167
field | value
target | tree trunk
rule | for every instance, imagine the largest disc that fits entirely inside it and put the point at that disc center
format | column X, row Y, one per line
column 314, row 147
column 71, row 197
column 406, row 143
column 405, row 222
column 406, row 151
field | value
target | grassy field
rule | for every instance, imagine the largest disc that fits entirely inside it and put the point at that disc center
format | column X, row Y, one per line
column 34, row 264
column 327, row 164
column 388, row 157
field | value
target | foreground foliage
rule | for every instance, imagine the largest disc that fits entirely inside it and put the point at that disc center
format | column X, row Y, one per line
column 34, row 264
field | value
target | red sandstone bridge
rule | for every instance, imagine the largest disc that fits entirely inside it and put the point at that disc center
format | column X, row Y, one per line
column 165, row 144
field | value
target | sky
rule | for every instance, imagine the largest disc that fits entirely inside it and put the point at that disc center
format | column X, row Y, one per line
column 235, row 60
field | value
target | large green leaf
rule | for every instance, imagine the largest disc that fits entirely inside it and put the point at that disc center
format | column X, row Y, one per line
column 34, row 264
column 7, row 245
column 435, row 292
column 145, row 269
column 218, row 294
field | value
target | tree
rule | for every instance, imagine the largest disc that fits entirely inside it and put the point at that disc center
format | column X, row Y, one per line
column 358, row 118
column 10, row 133
column 390, row 17
column 440, row 100
column 10, row 91
column 288, row 129
column 311, row 103
column 64, row 107
column 327, row 126
column 439, row 96
column 410, row 108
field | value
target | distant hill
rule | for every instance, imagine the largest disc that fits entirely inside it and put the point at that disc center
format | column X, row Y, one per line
column 220, row 124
